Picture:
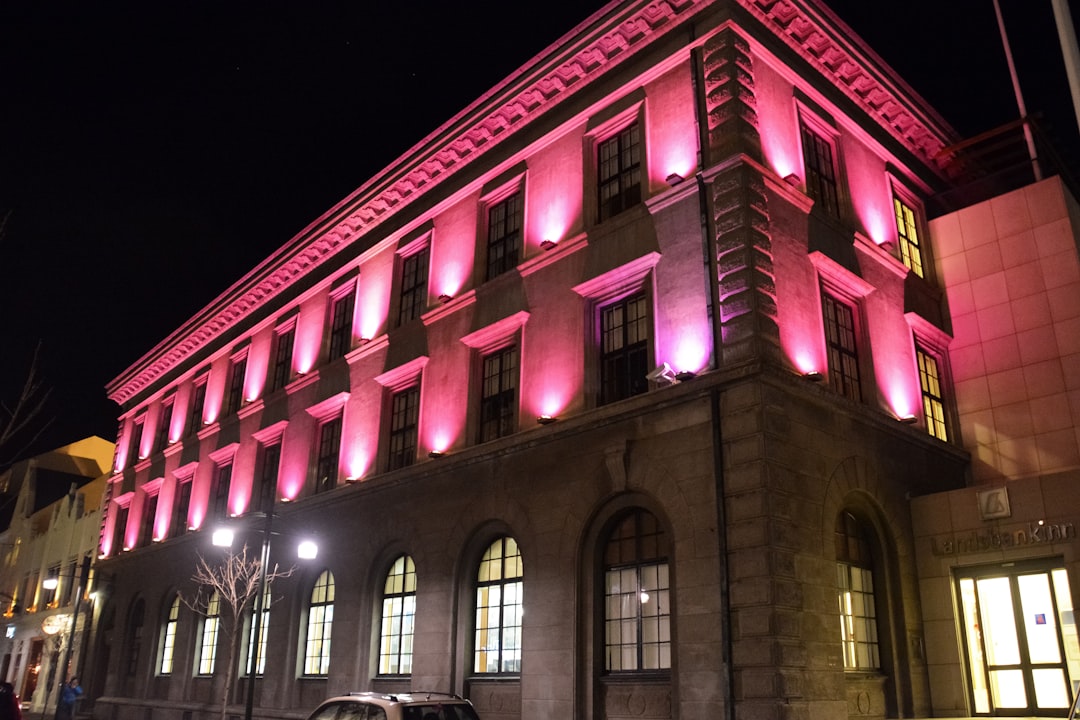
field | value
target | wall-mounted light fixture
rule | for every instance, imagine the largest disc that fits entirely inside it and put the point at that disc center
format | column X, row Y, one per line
column 813, row 376
column 548, row 244
column 908, row 419
column 674, row 179
column 662, row 374
column 444, row 298
column 793, row 179
column 545, row 419
column 436, row 454
column 685, row 375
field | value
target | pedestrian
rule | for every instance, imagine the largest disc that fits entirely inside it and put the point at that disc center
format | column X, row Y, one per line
column 69, row 693
column 9, row 702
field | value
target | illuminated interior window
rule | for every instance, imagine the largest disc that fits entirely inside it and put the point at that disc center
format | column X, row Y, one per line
column 414, row 281
column 855, row 592
column 320, row 622
column 398, row 618
column 119, row 529
column 618, row 170
column 820, row 165
column 504, row 235
column 839, row 320
column 209, row 636
column 146, row 525
column 404, row 419
column 168, row 638
column 283, row 351
column 341, row 323
column 235, row 397
column 499, row 588
column 198, row 402
column 326, row 464
column 907, row 233
column 498, row 397
column 264, row 624
column 637, row 597
column 933, row 404
column 161, row 439
column 219, row 508
column 181, row 505
column 624, row 348
column 48, row 595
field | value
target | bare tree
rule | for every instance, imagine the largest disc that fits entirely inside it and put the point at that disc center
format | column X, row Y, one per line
column 25, row 413
column 235, row 581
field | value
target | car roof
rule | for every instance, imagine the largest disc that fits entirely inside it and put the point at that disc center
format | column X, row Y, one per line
column 415, row 696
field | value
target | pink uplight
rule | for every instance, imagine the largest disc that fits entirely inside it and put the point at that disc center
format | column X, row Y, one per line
column 451, row 277
column 691, row 355
column 291, row 487
column 308, row 344
column 357, row 465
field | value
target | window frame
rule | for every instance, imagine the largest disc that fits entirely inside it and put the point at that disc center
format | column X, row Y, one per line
column 209, row 631
column 167, row 650
column 913, row 204
column 135, row 438
column 149, row 515
column 165, row 416
column 626, row 351
column 413, row 296
column 511, row 241
column 861, row 560
column 397, row 625
column 510, row 574
column 628, row 194
column 327, row 466
column 220, row 491
column 341, row 318
column 234, row 390
column 315, row 658
column 181, row 506
column 408, row 431
column 505, row 402
column 634, row 564
column 827, row 191
column 282, row 354
column 197, row 404
column 835, row 349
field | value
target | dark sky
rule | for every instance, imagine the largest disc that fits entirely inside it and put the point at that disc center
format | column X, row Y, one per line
column 153, row 152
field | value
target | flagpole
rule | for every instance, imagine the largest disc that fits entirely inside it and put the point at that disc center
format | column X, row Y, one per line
column 1019, row 96
column 1067, row 36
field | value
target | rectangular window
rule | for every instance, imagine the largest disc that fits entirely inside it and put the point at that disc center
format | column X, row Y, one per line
column 48, row 595
column 618, row 168
column 198, row 401
column 840, row 344
column 283, row 352
column 222, row 485
column 498, row 396
column 504, row 235
column 341, row 324
column 414, row 279
column 120, row 530
column 135, row 443
column 161, row 440
column 858, row 617
column 820, row 167
column 268, row 478
column 933, row 403
column 326, row 466
column 237, row 369
column 181, row 505
column 907, row 235
column 624, row 348
column 67, row 584
column 404, row 417
column 146, row 526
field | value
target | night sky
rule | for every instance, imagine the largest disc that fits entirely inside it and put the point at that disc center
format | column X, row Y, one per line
column 151, row 153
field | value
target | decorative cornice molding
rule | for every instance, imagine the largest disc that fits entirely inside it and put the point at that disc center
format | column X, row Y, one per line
column 554, row 76
column 822, row 39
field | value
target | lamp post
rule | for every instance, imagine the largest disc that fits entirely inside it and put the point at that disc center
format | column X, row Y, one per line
column 83, row 578
column 305, row 550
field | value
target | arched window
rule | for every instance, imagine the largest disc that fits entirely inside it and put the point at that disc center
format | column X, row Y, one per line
column 264, row 623
column 135, row 636
column 398, row 616
column 208, row 639
column 637, row 605
column 168, row 638
column 855, row 588
column 320, row 621
column 497, row 647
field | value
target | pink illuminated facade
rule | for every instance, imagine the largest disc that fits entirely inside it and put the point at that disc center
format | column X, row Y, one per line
column 625, row 393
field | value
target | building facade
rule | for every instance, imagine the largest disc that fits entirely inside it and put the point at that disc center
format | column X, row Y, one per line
column 628, row 392
column 53, row 505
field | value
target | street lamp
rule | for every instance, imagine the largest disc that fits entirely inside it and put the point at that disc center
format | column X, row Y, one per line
column 306, row 550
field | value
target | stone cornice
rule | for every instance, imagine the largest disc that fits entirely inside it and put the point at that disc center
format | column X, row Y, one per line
column 607, row 38
column 603, row 41
column 833, row 49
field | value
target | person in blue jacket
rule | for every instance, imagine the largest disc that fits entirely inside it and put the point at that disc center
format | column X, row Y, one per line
column 69, row 693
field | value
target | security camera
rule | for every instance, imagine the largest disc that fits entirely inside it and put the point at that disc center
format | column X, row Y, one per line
column 662, row 375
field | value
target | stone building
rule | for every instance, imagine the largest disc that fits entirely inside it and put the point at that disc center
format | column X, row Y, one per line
column 631, row 391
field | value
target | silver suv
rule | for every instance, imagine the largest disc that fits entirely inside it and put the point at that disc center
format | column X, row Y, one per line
column 401, row 706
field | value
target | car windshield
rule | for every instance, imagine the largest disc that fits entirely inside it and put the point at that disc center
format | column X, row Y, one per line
column 440, row 711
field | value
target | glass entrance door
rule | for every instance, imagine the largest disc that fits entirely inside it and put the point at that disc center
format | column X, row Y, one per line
column 1020, row 638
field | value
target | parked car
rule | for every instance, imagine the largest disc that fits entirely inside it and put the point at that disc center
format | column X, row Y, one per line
column 400, row 706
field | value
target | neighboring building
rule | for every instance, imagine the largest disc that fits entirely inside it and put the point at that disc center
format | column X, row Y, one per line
column 52, row 527
column 643, row 387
